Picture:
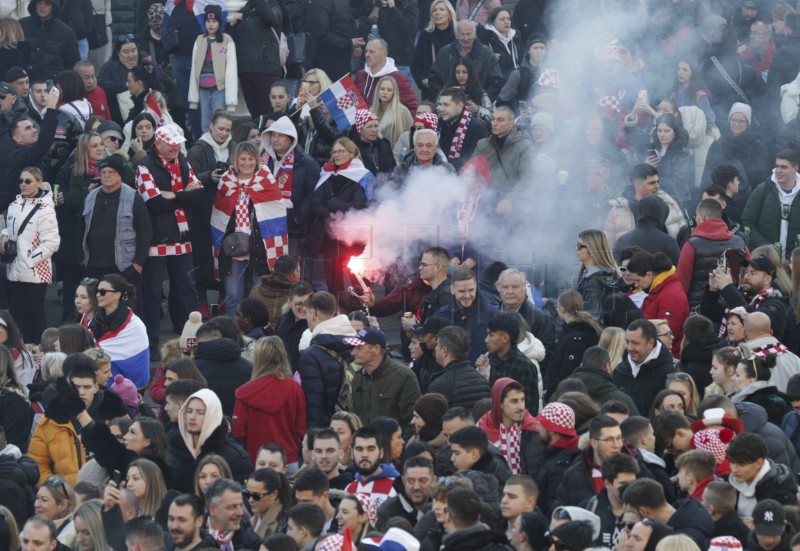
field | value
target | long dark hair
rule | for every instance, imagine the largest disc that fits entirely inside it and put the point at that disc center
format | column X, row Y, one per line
column 153, row 430
column 275, row 481
column 387, row 427
column 474, row 90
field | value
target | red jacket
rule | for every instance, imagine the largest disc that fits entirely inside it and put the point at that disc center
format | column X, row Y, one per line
column 270, row 410
column 667, row 300
column 367, row 86
column 99, row 102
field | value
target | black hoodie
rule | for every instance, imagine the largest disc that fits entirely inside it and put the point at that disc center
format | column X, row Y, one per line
column 221, row 363
column 54, row 46
column 651, row 231
column 691, row 519
column 696, row 360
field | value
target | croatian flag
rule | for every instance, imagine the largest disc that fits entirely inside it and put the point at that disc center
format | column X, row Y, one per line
column 129, row 350
column 342, row 100
column 154, row 110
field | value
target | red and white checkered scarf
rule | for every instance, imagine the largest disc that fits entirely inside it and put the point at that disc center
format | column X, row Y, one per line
column 510, row 446
column 754, row 304
column 174, row 168
column 458, row 138
column 776, row 349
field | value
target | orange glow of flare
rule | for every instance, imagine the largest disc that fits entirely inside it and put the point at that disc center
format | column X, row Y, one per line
column 358, row 267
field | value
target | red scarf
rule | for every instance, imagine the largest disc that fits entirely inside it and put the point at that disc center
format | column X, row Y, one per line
column 285, row 174
column 776, row 349
column 458, row 138
column 189, row 5
column 510, row 446
column 754, row 304
column 174, row 168
column 92, row 169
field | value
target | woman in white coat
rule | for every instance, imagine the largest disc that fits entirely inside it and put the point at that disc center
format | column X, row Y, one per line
column 31, row 224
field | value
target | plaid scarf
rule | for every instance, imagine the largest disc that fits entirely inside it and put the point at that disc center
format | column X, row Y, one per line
column 174, row 168
column 776, row 349
column 461, row 133
column 222, row 538
column 754, row 303
column 242, row 214
column 510, row 446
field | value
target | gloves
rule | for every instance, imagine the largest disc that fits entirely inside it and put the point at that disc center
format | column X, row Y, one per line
column 69, row 397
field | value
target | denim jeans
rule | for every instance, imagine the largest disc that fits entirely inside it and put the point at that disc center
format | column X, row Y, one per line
column 211, row 99
column 181, row 271
column 405, row 70
column 83, row 48
column 181, row 70
column 237, row 285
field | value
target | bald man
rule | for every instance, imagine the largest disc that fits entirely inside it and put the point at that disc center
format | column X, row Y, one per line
column 758, row 328
column 379, row 65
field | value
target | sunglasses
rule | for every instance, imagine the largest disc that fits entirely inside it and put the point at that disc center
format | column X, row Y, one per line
column 89, row 281
column 580, row 245
column 623, row 269
column 113, row 138
column 678, row 376
column 123, row 38
column 104, row 292
column 25, row 181
column 626, row 525
column 255, row 496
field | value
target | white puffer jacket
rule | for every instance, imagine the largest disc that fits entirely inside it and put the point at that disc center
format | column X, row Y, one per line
column 700, row 139
column 39, row 239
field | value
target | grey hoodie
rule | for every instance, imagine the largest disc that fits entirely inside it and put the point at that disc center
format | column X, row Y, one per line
column 282, row 126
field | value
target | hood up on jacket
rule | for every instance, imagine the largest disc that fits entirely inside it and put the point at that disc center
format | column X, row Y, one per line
column 490, row 422
column 211, row 422
column 653, row 213
column 579, row 513
column 32, row 9
column 281, row 126
column 337, row 325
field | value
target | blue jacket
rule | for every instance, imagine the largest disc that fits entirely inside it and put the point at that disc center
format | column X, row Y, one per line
column 791, row 428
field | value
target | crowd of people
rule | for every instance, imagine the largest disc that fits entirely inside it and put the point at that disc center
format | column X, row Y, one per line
column 649, row 403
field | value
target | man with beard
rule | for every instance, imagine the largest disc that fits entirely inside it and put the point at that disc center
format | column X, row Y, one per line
column 226, row 522
column 326, row 454
column 758, row 295
column 413, row 493
column 557, row 431
column 372, row 477
column 184, row 521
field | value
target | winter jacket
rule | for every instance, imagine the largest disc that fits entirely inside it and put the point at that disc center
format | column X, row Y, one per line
column 700, row 139
column 214, row 437
column 113, row 78
column 650, row 232
column 784, row 544
column 691, row 519
column 182, row 21
column 696, row 359
column 68, row 129
column 223, row 58
column 461, row 384
column 331, row 24
column 621, row 219
column 486, row 68
column 273, row 291
column 731, row 525
column 377, row 156
column 21, row 156
column 787, row 364
column 391, row 390
column 488, row 475
column 762, row 215
column 290, row 330
column 780, row 447
column 650, row 380
column 722, row 95
column 220, row 362
column 473, row 319
column 778, row 483
column 666, row 299
column 509, row 50
column 269, row 409
column 602, row 388
column 367, row 83
column 17, row 417
column 39, row 238
column 57, row 450
column 54, row 46
column 595, row 286
column 557, row 459
column 676, row 174
column 397, row 506
column 510, row 160
column 790, row 424
column 398, row 27
column 408, row 164
column 475, row 132
column 746, row 152
column 531, row 16
column 256, row 45
column 576, row 483
column 477, row 538
column 320, row 372
column 768, row 397
column 19, row 475
column 575, row 338
column 699, row 256
column 428, row 45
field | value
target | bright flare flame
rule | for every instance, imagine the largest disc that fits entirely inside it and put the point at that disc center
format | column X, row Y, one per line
column 357, row 265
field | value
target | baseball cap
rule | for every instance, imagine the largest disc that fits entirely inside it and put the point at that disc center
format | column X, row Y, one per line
column 769, row 518
column 761, row 263
column 431, row 326
column 368, row 335
column 7, row 90
column 169, row 133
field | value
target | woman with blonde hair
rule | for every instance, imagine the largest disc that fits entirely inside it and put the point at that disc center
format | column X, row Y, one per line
column 346, row 424
column 56, row 501
column 439, row 32
column 684, row 384
column 210, row 468
column 395, row 118
column 90, row 534
column 9, row 531
column 145, row 479
column 272, row 406
column 14, row 51
column 580, row 331
column 316, row 130
column 677, row 542
column 613, row 340
column 598, row 274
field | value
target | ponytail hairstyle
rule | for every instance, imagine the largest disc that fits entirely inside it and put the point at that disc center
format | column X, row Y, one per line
column 759, row 368
column 571, row 302
column 729, row 357
column 274, row 481
column 120, row 285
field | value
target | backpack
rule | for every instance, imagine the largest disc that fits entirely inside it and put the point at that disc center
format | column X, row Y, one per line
column 344, row 400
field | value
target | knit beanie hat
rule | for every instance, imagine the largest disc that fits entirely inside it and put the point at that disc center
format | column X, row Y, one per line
column 189, row 333
column 725, row 543
column 576, row 535
column 363, row 116
column 559, row 418
column 428, row 120
column 125, row 389
column 535, row 525
column 432, row 407
column 713, row 440
column 793, row 388
column 744, row 109
column 213, row 11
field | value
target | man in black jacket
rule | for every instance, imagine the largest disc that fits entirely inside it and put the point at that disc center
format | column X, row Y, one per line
column 719, row 499
column 220, row 362
column 650, row 232
column 757, row 477
column 618, row 471
column 455, row 121
column 293, row 323
column 463, row 526
column 169, row 188
column 18, row 477
column 54, row 46
column 459, row 382
column 645, row 364
column 413, row 493
column 557, row 431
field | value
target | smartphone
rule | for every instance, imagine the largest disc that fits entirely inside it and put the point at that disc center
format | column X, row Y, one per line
column 643, row 96
column 116, row 477
column 304, row 86
column 652, row 153
column 222, row 167
column 722, row 261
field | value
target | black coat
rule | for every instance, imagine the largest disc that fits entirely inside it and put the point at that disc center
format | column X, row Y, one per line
column 219, row 442
column 530, row 16
column 256, row 45
column 220, row 362
column 461, row 384
column 473, row 319
column 691, row 519
column 305, row 175
column 602, row 388
column 481, row 540
column 332, row 27
column 696, row 360
column 731, row 525
column 23, row 156
column 556, row 462
column 185, row 23
column 595, row 287
column 54, row 47
column 773, row 401
column 575, row 338
column 649, row 382
column 16, row 417
column 376, row 156
column 290, row 330
column 781, row 449
column 506, row 60
column 428, row 45
column 476, row 131
column 650, row 233
column 18, row 478
column 745, row 152
column 398, row 27
column 321, row 374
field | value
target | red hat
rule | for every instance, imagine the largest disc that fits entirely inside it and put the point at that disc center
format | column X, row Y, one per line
column 713, row 440
column 363, row 116
column 559, row 418
column 717, row 416
column 428, row 120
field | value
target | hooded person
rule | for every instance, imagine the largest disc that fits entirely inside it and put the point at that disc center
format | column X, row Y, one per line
column 513, row 431
column 650, row 233
column 54, row 46
column 575, row 535
column 296, row 173
column 202, row 430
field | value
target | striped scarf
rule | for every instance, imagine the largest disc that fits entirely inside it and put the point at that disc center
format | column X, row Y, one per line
column 174, row 168
column 775, row 349
column 461, row 132
column 510, row 447
column 754, row 304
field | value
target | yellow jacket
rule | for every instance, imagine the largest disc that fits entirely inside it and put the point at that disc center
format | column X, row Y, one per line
column 57, row 450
